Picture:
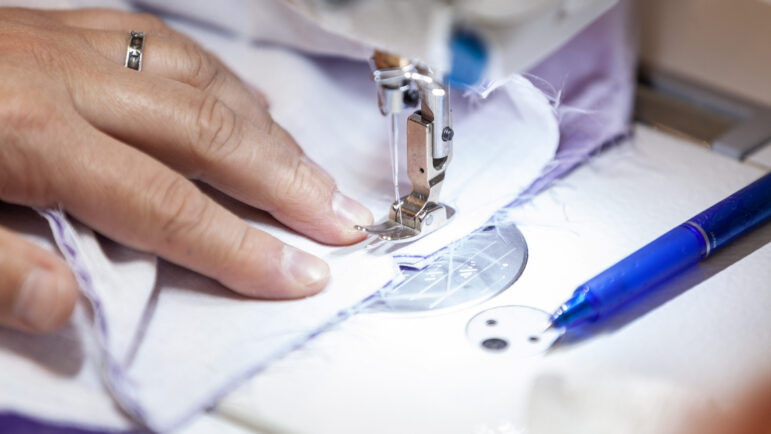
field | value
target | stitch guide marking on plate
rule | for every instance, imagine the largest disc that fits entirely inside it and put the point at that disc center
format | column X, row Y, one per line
column 466, row 272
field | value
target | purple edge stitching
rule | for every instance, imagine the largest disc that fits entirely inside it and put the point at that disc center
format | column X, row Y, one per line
column 117, row 380
column 350, row 311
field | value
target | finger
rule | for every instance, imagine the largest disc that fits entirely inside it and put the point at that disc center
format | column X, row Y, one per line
column 37, row 290
column 110, row 19
column 139, row 202
column 261, row 97
column 202, row 137
column 181, row 59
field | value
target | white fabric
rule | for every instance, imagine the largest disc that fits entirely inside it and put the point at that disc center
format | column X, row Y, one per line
column 420, row 373
column 55, row 377
column 201, row 339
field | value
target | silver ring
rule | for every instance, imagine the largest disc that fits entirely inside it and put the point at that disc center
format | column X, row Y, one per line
column 134, row 50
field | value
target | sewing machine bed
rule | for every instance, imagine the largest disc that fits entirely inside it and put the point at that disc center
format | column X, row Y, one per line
column 705, row 332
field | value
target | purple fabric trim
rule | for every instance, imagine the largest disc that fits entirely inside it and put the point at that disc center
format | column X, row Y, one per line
column 591, row 82
column 596, row 74
column 593, row 111
column 117, row 382
column 17, row 423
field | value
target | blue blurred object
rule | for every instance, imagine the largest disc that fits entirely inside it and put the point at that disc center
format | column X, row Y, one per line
column 668, row 255
column 469, row 59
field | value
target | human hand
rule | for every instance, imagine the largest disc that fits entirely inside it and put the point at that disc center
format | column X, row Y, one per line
column 117, row 149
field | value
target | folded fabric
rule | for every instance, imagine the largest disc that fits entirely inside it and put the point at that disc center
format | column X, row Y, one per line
column 201, row 340
column 166, row 360
column 169, row 342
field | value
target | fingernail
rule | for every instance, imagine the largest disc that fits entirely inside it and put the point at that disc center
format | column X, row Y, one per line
column 306, row 269
column 350, row 212
column 37, row 299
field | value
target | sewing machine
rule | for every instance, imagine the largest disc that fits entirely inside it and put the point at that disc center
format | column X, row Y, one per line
column 404, row 84
column 421, row 372
column 519, row 33
column 388, row 373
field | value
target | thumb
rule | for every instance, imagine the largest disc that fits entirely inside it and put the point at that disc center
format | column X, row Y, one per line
column 37, row 290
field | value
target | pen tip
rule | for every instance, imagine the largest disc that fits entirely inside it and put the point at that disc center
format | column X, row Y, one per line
column 537, row 337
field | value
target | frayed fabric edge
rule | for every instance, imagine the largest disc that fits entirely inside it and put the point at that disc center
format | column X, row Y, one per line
column 115, row 374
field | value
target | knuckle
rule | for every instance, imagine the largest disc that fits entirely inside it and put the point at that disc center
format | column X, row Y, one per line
column 151, row 22
column 264, row 278
column 45, row 55
column 19, row 111
column 219, row 130
column 15, row 183
column 52, row 52
column 204, row 71
column 180, row 209
column 251, row 266
column 249, row 243
column 14, row 111
column 273, row 128
column 22, row 133
column 301, row 185
column 44, row 48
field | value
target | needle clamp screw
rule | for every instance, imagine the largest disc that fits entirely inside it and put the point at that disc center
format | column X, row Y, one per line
column 447, row 134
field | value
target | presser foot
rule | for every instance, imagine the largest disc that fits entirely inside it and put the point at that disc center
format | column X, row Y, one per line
column 404, row 226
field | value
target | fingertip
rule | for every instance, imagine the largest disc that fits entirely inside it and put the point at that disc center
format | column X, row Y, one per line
column 46, row 299
column 350, row 214
column 334, row 228
column 68, row 292
column 307, row 274
column 317, row 209
column 349, row 235
column 264, row 267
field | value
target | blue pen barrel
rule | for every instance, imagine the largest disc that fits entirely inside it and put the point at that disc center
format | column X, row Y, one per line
column 737, row 214
column 634, row 275
column 668, row 255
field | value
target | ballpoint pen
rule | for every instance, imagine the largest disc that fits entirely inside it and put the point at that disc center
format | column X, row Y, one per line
column 682, row 247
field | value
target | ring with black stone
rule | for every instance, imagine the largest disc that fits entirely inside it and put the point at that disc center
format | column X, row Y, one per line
column 134, row 50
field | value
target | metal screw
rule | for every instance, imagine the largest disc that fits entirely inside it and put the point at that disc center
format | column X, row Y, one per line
column 447, row 134
column 429, row 220
column 411, row 98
